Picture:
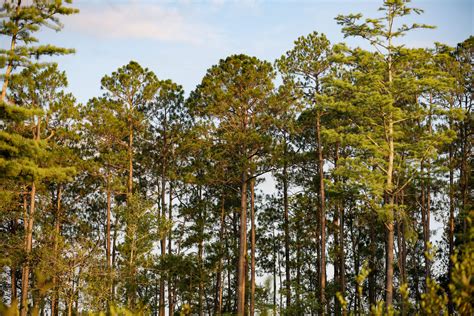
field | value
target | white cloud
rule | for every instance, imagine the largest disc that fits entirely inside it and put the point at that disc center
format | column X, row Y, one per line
column 135, row 20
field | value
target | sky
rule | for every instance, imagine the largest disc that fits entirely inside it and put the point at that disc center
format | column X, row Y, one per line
column 180, row 40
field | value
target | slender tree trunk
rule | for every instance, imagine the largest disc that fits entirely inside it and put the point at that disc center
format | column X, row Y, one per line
column 356, row 258
column 202, row 216
column 201, row 285
column 286, row 227
column 218, row 302
column 428, row 195
column 69, row 308
column 241, row 275
column 426, row 205
column 372, row 262
column 163, row 215
column 298, row 266
column 424, row 221
column 337, row 276
column 400, row 263
column 451, row 223
column 339, row 239
column 29, row 234
column 57, row 231
column 389, row 184
column 130, row 162
column 28, row 248
column 13, row 269
column 274, row 273
column 170, row 252
column 114, row 247
column 108, row 241
column 280, row 282
column 130, row 293
column 163, row 239
column 322, row 213
column 389, row 199
column 342, row 268
column 337, row 251
column 252, row 252
column 465, row 173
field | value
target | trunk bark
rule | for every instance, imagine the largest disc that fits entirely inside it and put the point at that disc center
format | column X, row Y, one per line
column 114, row 247
column 170, row 252
column 274, row 273
column 389, row 183
column 201, row 285
column 57, row 231
column 322, row 214
column 13, row 268
column 29, row 234
column 451, row 223
column 241, row 275
column 287, row 228
column 218, row 303
column 130, row 294
column 28, row 248
column 163, row 239
column 389, row 199
column 252, row 252
column 108, row 241
column 372, row 261
column 202, row 215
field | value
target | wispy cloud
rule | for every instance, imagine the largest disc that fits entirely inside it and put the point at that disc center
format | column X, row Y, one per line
column 136, row 20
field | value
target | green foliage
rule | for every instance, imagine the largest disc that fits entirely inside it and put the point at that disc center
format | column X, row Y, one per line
column 434, row 301
column 20, row 23
column 395, row 123
column 462, row 276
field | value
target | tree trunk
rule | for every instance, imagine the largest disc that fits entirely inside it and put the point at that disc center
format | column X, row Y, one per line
column 201, row 285
column 298, row 265
column 108, row 241
column 451, row 223
column 274, row 273
column 163, row 239
column 322, row 213
column 252, row 252
column 28, row 248
column 241, row 275
column 389, row 224
column 57, row 231
column 29, row 234
column 13, row 269
column 130, row 294
column 339, row 238
column 389, row 184
column 286, row 227
column 218, row 301
column 372, row 262
column 114, row 247
column 342, row 267
column 170, row 252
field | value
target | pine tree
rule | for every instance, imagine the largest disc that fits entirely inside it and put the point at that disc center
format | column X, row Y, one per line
column 235, row 95
column 21, row 22
column 381, row 33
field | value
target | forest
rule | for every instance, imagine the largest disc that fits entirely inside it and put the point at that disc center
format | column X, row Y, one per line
column 149, row 200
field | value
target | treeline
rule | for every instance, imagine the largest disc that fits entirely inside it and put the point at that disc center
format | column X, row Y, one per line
column 147, row 200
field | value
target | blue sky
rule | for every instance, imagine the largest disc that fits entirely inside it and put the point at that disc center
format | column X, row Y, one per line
column 181, row 39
